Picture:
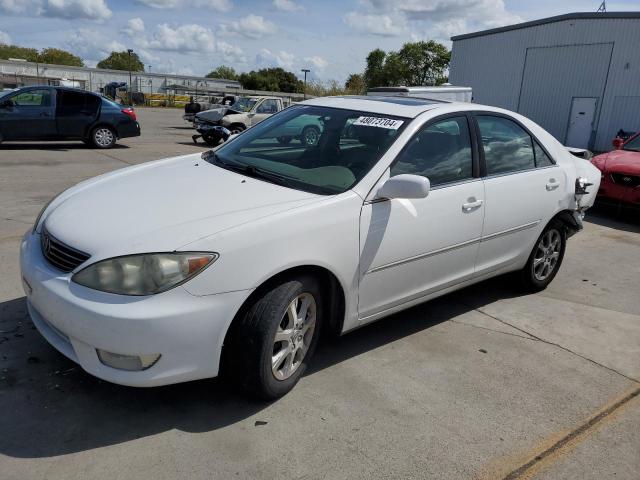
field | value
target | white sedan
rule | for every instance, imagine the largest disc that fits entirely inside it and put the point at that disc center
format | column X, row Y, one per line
column 235, row 260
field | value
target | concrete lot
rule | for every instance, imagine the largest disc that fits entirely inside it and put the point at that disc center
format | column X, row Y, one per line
column 483, row 383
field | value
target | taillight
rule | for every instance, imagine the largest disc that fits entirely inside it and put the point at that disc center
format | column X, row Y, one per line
column 129, row 111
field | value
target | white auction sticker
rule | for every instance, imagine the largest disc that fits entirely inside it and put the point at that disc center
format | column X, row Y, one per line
column 388, row 123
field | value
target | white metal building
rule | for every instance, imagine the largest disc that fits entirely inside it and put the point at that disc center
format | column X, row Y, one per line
column 577, row 75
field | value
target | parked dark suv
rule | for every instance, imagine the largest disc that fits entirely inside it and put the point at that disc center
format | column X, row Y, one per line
column 57, row 113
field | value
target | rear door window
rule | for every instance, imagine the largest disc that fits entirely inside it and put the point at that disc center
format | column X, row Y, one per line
column 73, row 103
column 507, row 147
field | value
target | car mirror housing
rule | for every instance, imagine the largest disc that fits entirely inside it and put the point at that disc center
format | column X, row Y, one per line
column 405, row 186
column 6, row 104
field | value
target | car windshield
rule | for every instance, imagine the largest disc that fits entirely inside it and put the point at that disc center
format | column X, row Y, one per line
column 633, row 144
column 2, row 94
column 315, row 149
column 244, row 104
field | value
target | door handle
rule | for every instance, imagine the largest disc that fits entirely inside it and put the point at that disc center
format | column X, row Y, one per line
column 467, row 207
column 45, row 114
column 552, row 184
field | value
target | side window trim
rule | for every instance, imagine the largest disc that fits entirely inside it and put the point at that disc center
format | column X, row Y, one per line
column 483, row 164
column 475, row 161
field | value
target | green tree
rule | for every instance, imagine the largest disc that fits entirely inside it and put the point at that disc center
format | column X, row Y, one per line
column 416, row 63
column 47, row 55
column 120, row 61
column 227, row 73
column 272, row 79
column 374, row 75
column 60, row 57
column 355, row 84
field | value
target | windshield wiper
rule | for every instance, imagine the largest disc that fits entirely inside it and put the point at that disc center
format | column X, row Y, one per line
column 248, row 170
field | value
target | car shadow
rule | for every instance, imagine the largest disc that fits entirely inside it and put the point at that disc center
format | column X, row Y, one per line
column 54, row 146
column 614, row 216
column 51, row 407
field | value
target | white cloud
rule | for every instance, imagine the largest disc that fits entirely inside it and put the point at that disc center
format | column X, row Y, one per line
column 184, row 38
column 93, row 45
column 286, row 5
column 318, row 62
column 375, row 24
column 267, row 58
column 251, row 26
column 218, row 5
column 135, row 27
column 4, row 37
column 231, row 53
column 69, row 9
column 439, row 19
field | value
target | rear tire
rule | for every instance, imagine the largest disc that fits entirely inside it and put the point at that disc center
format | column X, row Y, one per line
column 546, row 257
column 310, row 136
column 103, row 137
column 275, row 338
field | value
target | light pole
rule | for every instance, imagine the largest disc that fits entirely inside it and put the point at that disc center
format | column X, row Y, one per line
column 129, row 51
column 305, row 70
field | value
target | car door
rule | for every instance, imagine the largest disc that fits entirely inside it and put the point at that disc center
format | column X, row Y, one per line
column 29, row 115
column 76, row 112
column 523, row 188
column 264, row 109
column 413, row 248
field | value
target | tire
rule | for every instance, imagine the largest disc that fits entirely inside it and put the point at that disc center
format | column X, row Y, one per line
column 310, row 136
column 284, row 140
column 545, row 258
column 270, row 368
column 211, row 141
column 235, row 129
column 103, row 137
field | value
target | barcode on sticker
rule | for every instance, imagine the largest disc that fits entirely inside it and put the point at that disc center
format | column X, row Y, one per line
column 388, row 123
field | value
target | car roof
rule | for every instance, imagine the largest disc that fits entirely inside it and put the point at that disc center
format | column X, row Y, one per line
column 401, row 106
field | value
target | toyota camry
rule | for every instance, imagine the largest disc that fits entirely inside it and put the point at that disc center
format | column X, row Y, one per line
column 235, row 260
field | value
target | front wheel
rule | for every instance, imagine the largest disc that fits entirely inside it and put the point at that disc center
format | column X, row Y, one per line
column 276, row 337
column 310, row 136
column 103, row 137
column 546, row 258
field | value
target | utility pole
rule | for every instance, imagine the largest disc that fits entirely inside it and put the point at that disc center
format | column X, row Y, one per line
column 305, row 70
column 129, row 51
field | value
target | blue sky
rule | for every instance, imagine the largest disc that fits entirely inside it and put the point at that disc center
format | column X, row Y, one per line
column 330, row 37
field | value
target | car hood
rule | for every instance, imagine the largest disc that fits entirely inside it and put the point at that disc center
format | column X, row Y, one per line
column 621, row 161
column 162, row 206
column 216, row 114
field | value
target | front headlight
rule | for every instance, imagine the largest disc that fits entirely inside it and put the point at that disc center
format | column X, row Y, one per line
column 145, row 274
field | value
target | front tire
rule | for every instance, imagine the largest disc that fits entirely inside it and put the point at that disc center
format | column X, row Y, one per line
column 276, row 337
column 546, row 258
column 103, row 137
column 310, row 136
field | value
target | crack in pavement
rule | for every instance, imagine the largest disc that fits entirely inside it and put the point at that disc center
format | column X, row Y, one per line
column 555, row 345
column 495, row 331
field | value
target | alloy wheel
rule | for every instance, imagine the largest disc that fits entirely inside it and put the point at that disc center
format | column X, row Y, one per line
column 103, row 137
column 547, row 254
column 293, row 336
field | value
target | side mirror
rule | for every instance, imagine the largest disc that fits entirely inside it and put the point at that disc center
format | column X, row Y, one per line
column 405, row 186
column 617, row 143
column 7, row 104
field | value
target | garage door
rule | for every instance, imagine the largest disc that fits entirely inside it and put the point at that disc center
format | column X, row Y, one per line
column 554, row 76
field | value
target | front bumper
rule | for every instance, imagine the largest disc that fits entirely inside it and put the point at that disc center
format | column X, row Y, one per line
column 186, row 330
column 613, row 192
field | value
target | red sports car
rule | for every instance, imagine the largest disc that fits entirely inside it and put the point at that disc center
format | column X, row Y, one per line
column 620, row 172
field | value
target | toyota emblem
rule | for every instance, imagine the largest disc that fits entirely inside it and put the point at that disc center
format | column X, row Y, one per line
column 46, row 243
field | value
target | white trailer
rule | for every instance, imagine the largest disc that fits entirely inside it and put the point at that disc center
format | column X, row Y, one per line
column 442, row 92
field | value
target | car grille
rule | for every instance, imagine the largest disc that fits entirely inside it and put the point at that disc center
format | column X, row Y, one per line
column 61, row 256
column 631, row 181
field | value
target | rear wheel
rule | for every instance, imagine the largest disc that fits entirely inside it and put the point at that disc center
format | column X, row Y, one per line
column 310, row 136
column 235, row 129
column 284, row 140
column 546, row 258
column 276, row 337
column 103, row 137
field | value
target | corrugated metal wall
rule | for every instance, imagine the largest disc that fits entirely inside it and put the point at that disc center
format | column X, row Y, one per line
column 498, row 68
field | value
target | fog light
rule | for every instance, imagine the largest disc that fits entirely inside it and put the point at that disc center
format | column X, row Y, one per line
column 131, row 363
